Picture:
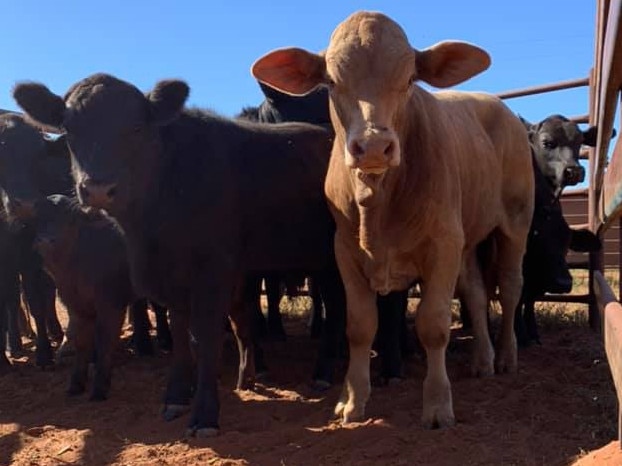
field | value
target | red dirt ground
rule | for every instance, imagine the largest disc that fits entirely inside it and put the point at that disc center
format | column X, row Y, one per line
column 560, row 409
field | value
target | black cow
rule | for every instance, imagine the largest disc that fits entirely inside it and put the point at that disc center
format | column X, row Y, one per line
column 199, row 197
column 30, row 167
column 33, row 166
column 555, row 145
column 278, row 107
column 86, row 255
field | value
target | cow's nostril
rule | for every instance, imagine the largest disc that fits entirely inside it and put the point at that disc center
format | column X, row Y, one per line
column 356, row 149
column 111, row 192
column 388, row 151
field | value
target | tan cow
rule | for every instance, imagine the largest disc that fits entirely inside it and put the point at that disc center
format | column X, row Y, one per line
column 416, row 181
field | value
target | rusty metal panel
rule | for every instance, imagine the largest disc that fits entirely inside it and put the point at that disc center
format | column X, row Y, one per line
column 608, row 86
column 558, row 86
column 611, row 318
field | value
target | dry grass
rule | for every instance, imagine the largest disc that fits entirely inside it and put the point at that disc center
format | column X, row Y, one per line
column 551, row 315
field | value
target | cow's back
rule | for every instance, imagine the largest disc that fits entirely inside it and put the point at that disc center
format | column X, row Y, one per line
column 286, row 218
column 492, row 152
column 94, row 269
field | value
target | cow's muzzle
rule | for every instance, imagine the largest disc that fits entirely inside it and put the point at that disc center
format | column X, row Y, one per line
column 373, row 152
column 573, row 175
column 96, row 194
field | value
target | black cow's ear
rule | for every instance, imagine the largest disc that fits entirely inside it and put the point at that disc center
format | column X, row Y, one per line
column 584, row 240
column 590, row 136
column 525, row 123
column 57, row 147
column 167, row 100
column 531, row 132
column 42, row 107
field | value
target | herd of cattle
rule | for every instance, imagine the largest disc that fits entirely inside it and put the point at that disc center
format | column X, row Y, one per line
column 348, row 173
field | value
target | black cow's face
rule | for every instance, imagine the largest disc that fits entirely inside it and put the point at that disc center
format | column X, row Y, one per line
column 556, row 143
column 112, row 131
column 31, row 166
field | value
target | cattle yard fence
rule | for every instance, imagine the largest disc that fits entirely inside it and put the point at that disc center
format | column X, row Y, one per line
column 599, row 207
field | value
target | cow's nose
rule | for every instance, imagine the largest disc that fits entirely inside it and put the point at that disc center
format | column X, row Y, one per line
column 22, row 209
column 378, row 151
column 573, row 175
column 95, row 194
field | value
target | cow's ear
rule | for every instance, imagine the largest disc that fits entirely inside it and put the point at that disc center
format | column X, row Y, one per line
column 531, row 131
column 584, row 241
column 449, row 63
column 292, row 70
column 590, row 136
column 167, row 100
column 525, row 123
column 57, row 147
column 44, row 108
column 271, row 93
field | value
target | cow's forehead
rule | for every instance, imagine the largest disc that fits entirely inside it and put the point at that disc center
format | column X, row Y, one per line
column 104, row 97
column 91, row 92
column 367, row 35
column 562, row 130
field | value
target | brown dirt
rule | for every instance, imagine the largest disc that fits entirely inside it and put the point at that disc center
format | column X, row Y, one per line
column 558, row 409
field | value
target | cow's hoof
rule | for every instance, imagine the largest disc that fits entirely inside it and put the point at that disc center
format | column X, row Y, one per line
column 165, row 343
column 348, row 413
column 207, row 432
column 320, row 385
column 506, row 366
column 98, row 395
column 202, row 432
column 75, row 390
column 339, row 408
column 45, row 359
column 65, row 350
column 482, row 368
column 17, row 353
column 438, row 420
column 173, row 411
column 248, row 384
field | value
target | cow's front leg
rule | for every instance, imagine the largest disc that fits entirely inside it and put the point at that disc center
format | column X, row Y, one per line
column 433, row 321
column 212, row 300
column 362, row 322
column 181, row 377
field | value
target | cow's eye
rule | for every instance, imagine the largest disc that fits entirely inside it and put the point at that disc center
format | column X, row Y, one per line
column 548, row 144
column 412, row 80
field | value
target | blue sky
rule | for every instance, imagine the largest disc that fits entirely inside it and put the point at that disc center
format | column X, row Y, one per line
column 212, row 44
